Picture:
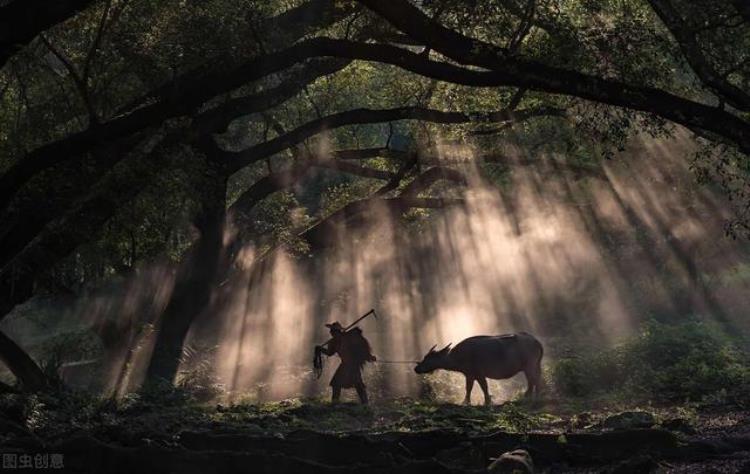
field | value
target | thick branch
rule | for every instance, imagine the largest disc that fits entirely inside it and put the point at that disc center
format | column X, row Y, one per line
column 410, row 162
column 216, row 120
column 428, row 178
column 268, row 185
column 237, row 160
column 700, row 64
column 280, row 180
column 21, row 364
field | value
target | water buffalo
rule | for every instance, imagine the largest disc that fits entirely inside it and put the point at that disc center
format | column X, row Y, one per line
column 494, row 357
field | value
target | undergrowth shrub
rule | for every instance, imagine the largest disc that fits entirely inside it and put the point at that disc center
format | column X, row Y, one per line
column 694, row 361
column 197, row 377
column 66, row 347
column 587, row 374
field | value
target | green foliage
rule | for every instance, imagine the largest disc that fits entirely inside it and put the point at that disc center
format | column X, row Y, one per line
column 693, row 360
column 197, row 378
column 689, row 360
column 277, row 221
column 153, row 394
column 71, row 346
column 587, row 374
column 338, row 196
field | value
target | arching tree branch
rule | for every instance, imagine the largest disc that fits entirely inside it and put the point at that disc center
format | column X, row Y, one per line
column 237, row 160
column 216, row 119
column 514, row 71
column 358, row 214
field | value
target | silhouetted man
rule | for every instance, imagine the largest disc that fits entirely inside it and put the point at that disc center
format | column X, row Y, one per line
column 354, row 351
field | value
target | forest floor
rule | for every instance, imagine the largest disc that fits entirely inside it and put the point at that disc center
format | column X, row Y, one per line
column 137, row 435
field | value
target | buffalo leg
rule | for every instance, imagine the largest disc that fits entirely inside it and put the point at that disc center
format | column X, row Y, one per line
column 483, row 385
column 469, row 386
column 529, row 386
column 533, row 379
column 336, row 394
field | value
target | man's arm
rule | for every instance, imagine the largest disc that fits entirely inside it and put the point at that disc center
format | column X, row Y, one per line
column 328, row 349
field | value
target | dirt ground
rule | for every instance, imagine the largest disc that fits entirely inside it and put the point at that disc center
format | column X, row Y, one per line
column 399, row 436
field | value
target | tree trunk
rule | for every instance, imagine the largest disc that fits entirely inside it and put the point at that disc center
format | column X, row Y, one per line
column 195, row 281
column 23, row 367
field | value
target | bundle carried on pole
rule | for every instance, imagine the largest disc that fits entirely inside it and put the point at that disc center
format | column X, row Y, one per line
column 318, row 357
column 318, row 363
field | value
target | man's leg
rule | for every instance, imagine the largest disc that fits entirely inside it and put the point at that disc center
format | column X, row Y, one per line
column 362, row 392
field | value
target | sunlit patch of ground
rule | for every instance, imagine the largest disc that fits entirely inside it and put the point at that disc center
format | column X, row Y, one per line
column 399, row 415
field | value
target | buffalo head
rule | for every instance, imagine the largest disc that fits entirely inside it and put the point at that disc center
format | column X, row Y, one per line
column 433, row 360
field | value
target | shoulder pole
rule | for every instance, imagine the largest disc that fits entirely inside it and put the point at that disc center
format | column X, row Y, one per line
column 371, row 312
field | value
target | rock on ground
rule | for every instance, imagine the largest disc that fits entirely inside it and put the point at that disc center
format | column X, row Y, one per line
column 518, row 461
column 629, row 420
